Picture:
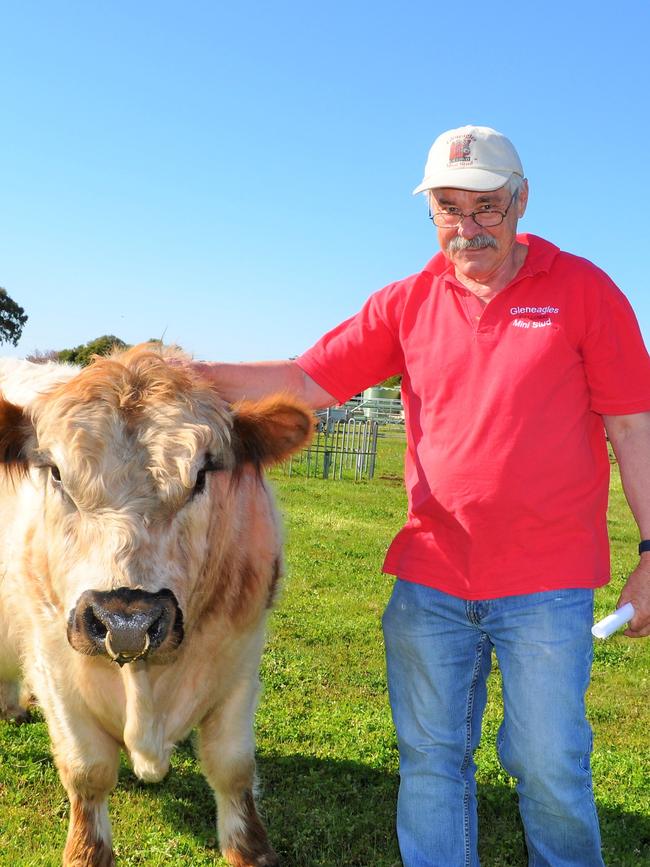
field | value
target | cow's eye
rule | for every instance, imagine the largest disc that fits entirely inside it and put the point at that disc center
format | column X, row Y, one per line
column 210, row 465
column 55, row 475
column 199, row 485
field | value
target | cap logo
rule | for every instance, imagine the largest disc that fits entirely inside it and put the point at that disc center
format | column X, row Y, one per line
column 460, row 149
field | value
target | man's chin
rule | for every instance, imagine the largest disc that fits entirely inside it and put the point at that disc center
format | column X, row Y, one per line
column 472, row 257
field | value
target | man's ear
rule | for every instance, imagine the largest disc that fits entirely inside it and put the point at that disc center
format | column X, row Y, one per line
column 522, row 199
column 15, row 433
column 269, row 430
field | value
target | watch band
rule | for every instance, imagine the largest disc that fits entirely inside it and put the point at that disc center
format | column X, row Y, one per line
column 644, row 545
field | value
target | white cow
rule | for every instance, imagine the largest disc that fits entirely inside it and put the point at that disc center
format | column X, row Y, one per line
column 140, row 553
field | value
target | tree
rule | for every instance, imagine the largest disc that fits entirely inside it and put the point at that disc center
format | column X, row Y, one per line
column 42, row 357
column 392, row 381
column 83, row 353
column 12, row 319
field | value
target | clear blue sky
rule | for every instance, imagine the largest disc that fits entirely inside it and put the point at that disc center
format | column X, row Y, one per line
column 237, row 175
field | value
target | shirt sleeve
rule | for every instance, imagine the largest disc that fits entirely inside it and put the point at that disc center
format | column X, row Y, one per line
column 617, row 364
column 360, row 352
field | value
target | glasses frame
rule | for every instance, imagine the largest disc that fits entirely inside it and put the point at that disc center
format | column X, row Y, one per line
column 461, row 216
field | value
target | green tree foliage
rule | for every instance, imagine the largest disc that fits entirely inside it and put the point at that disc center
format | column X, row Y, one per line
column 83, row 354
column 392, row 381
column 12, row 319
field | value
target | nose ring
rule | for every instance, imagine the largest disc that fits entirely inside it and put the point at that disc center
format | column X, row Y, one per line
column 116, row 656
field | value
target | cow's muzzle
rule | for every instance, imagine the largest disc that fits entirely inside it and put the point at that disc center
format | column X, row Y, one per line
column 126, row 624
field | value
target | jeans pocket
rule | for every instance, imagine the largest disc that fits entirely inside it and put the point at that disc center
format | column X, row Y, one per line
column 389, row 612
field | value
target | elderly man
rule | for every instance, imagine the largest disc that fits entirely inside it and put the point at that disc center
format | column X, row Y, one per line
column 516, row 358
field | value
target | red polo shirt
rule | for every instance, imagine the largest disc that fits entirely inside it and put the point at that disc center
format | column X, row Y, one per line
column 506, row 464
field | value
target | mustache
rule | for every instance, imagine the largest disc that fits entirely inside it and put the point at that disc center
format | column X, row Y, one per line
column 476, row 243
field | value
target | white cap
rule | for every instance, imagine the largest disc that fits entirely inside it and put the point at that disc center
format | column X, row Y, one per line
column 470, row 158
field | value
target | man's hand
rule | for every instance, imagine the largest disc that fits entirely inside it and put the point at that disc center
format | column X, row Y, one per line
column 637, row 591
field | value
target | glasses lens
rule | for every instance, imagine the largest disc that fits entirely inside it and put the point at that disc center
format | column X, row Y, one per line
column 488, row 218
column 445, row 220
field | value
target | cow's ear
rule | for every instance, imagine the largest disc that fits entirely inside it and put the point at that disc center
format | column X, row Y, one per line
column 15, row 432
column 269, row 430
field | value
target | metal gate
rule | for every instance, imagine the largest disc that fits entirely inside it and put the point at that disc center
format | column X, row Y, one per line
column 345, row 449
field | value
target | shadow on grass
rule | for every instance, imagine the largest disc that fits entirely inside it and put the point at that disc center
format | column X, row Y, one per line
column 319, row 812
column 327, row 813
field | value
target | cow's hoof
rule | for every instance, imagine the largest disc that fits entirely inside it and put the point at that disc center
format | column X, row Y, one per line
column 243, row 859
column 15, row 702
column 18, row 716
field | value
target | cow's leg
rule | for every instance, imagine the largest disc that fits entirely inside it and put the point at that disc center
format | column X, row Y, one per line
column 87, row 760
column 226, row 751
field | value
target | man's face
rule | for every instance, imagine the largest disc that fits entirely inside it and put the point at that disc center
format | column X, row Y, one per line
column 491, row 247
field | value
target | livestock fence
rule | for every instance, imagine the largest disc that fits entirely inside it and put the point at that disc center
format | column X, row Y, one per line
column 345, row 446
column 381, row 409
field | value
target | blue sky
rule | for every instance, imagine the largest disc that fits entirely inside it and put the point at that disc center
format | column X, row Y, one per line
column 237, row 176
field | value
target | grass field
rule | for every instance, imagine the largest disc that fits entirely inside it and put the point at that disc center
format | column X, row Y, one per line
column 326, row 747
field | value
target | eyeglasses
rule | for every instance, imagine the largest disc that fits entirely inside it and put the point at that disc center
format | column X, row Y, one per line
column 487, row 218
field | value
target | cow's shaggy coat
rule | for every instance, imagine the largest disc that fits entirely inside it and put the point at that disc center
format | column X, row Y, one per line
column 133, row 473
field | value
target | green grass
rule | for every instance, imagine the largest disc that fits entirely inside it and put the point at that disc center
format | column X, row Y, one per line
column 326, row 746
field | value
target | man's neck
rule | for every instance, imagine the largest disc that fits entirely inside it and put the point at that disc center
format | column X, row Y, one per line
column 496, row 282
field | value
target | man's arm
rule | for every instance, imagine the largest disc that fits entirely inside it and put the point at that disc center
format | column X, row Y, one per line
column 630, row 439
column 257, row 379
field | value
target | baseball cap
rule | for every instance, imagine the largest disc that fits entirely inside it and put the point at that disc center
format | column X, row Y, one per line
column 470, row 158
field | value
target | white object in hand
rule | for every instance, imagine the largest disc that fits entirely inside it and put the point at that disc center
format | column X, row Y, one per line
column 609, row 624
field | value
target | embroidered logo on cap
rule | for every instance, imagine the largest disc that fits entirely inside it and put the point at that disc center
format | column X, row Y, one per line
column 460, row 149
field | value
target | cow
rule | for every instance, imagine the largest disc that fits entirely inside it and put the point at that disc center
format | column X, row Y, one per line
column 140, row 555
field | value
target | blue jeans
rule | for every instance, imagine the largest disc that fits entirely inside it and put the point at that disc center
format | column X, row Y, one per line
column 438, row 652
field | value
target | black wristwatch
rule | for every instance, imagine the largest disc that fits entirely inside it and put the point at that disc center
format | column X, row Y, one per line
column 644, row 545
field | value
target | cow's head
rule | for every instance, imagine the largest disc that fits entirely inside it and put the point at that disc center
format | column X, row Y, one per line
column 145, row 511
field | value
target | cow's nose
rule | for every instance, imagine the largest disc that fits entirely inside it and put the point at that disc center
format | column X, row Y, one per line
column 125, row 624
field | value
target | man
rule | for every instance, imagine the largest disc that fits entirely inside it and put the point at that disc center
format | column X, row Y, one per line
column 516, row 357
